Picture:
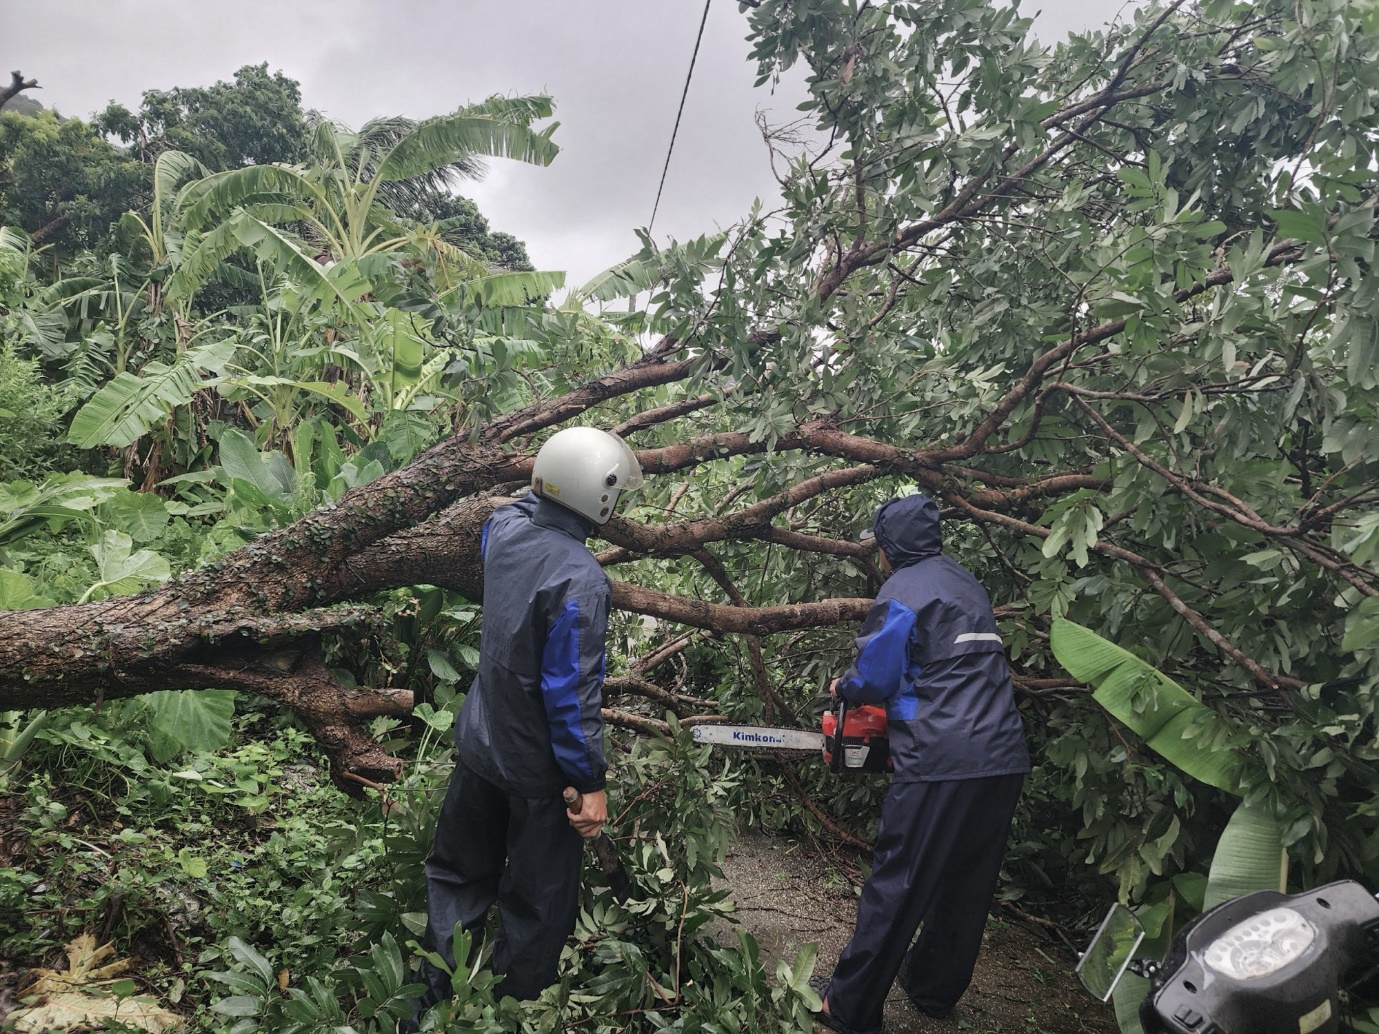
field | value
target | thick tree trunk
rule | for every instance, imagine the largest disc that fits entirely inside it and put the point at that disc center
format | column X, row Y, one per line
column 49, row 229
column 254, row 620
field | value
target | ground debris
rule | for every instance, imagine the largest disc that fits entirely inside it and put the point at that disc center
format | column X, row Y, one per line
column 89, row 993
column 1024, row 981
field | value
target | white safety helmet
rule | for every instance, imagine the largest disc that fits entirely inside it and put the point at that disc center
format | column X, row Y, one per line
column 584, row 469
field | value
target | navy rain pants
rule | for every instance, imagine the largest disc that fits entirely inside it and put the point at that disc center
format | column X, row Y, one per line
column 937, row 859
column 520, row 852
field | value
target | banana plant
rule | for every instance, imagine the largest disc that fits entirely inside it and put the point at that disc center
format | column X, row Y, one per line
column 342, row 195
column 1185, row 732
column 26, row 508
column 24, row 313
column 281, row 363
column 158, row 232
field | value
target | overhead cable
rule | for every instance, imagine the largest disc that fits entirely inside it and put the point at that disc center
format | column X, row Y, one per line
column 676, row 130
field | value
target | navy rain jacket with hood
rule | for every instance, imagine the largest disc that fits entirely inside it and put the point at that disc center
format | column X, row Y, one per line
column 930, row 651
column 531, row 723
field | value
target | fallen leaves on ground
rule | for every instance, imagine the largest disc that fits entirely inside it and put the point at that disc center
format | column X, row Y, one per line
column 88, row 993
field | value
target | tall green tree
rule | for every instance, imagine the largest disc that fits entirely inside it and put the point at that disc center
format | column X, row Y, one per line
column 62, row 182
column 255, row 120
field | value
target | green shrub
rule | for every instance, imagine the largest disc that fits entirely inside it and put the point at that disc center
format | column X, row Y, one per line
column 29, row 413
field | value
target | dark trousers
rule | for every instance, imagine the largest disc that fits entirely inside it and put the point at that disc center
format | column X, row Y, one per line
column 938, row 855
column 520, row 852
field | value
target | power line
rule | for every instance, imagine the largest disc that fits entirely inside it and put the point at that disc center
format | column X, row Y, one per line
column 676, row 130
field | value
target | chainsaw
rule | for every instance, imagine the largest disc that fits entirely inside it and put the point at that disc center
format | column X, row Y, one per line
column 854, row 739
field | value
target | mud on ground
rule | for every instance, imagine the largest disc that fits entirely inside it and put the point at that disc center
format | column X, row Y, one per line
column 789, row 894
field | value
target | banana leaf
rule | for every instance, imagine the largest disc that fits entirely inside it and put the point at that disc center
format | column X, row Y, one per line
column 1155, row 707
column 128, row 407
column 511, row 289
column 1249, row 856
column 1126, row 998
column 441, row 141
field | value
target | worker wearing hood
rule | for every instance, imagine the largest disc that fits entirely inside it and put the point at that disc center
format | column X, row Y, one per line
column 930, row 653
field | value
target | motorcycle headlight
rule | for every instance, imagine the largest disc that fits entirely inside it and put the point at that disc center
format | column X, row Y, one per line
column 1261, row 945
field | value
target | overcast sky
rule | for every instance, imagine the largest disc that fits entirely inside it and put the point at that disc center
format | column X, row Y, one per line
column 616, row 69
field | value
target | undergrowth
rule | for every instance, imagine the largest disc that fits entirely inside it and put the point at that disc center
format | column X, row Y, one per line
column 252, row 895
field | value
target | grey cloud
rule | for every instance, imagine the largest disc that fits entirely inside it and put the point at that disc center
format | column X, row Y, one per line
column 615, row 67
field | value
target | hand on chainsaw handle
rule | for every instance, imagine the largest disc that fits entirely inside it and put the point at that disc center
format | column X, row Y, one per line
column 588, row 812
column 833, row 689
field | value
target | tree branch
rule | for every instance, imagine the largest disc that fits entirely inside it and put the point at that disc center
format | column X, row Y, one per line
column 17, row 84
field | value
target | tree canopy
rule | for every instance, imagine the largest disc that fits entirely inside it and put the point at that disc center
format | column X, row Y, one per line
column 255, row 120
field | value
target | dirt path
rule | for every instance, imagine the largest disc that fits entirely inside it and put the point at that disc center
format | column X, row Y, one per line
column 788, row 895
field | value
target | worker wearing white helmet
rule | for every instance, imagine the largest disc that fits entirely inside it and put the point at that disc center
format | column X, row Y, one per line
column 531, row 723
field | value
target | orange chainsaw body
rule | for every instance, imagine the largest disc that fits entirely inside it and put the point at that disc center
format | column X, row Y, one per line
column 866, row 739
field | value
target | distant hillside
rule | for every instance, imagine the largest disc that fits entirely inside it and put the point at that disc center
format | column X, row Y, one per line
column 23, row 105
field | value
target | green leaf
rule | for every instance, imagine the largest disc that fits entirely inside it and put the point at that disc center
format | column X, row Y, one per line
column 251, row 959
column 122, row 571
column 141, row 515
column 192, row 865
column 190, row 720
column 127, row 407
column 509, row 289
column 641, row 272
column 1249, row 856
column 1305, row 226
column 341, row 282
column 443, row 141
column 17, row 592
column 1150, row 703
column 237, row 1005
column 240, row 458
column 204, row 202
column 338, row 393
column 399, row 340
column 1126, row 998
column 441, row 667
column 1362, row 625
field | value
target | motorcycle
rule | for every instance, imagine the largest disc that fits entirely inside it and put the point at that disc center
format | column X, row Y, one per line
column 1262, row 963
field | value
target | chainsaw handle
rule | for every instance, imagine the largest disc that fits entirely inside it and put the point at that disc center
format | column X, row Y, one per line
column 835, row 762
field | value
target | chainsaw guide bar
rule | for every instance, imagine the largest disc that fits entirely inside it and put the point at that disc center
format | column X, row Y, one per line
column 753, row 737
column 853, row 739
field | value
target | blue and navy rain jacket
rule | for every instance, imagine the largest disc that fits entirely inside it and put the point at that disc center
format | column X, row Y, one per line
column 930, row 652
column 531, row 723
